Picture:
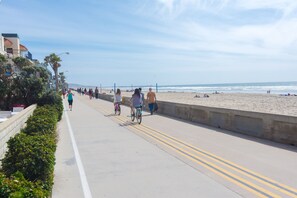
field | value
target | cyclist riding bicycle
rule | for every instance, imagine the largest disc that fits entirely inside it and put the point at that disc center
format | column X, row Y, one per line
column 142, row 99
column 135, row 101
column 117, row 98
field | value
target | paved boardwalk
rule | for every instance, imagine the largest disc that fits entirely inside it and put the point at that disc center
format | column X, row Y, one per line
column 102, row 155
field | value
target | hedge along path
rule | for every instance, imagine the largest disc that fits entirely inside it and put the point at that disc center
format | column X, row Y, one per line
column 43, row 142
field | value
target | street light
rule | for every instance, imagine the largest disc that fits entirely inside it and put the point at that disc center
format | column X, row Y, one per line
column 63, row 53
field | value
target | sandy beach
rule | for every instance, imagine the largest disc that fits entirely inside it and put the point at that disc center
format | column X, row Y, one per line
column 264, row 103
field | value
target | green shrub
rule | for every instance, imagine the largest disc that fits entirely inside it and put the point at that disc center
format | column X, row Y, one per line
column 18, row 187
column 40, row 125
column 46, row 110
column 29, row 161
column 33, row 156
column 53, row 99
column 49, row 98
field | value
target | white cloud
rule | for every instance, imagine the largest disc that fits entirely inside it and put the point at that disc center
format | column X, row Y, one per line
column 279, row 35
column 261, row 4
column 274, row 39
column 287, row 6
column 180, row 5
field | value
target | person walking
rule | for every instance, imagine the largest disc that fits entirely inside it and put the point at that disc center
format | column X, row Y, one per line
column 91, row 93
column 64, row 93
column 96, row 93
column 70, row 99
column 151, row 98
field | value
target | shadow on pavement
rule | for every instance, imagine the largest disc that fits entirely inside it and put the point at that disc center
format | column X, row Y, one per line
column 111, row 115
column 128, row 123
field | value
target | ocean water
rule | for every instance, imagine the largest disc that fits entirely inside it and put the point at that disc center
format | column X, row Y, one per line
column 262, row 88
column 274, row 87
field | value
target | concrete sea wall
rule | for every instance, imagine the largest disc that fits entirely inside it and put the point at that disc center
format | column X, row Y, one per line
column 13, row 126
column 277, row 128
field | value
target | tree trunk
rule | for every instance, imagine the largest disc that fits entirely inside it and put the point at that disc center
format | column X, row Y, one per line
column 57, row 80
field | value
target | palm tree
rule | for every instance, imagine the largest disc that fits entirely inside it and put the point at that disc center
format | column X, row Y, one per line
column 53, row 60
column 62, row 79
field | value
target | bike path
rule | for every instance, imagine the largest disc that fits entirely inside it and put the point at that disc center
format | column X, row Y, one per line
column 271, row 166
column 108, row 160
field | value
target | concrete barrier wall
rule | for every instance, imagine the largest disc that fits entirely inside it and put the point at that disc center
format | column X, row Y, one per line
column 277, row 128
column 12, row 126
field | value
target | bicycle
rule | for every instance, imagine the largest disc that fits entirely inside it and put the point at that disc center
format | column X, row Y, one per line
column 137, row 115
column 117, row 109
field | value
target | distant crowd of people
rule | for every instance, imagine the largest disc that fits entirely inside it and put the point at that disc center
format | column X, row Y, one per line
column 92, row 94
column 137, row 99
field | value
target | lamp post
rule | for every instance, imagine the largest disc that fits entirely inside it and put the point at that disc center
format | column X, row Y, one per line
column 63, row 53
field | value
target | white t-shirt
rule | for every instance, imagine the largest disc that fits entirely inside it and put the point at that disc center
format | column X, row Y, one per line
column 142, row 98
column 117, row 98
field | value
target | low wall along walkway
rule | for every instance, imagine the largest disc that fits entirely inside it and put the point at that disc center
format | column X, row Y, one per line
column 13, row 126
column 277, row 128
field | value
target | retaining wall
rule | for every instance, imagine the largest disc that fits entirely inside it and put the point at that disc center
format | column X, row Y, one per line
column 277, row 128
column 12, row 126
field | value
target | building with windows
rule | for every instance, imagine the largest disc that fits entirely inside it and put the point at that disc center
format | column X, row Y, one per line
column 13, row 48
column 12, row 45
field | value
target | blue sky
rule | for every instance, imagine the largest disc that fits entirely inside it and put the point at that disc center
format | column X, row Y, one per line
column 160, row 41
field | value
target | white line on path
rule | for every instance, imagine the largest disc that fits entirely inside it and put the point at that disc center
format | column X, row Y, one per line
column 82, row 174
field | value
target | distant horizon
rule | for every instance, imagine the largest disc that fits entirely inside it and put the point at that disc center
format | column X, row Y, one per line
column 186, row 85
